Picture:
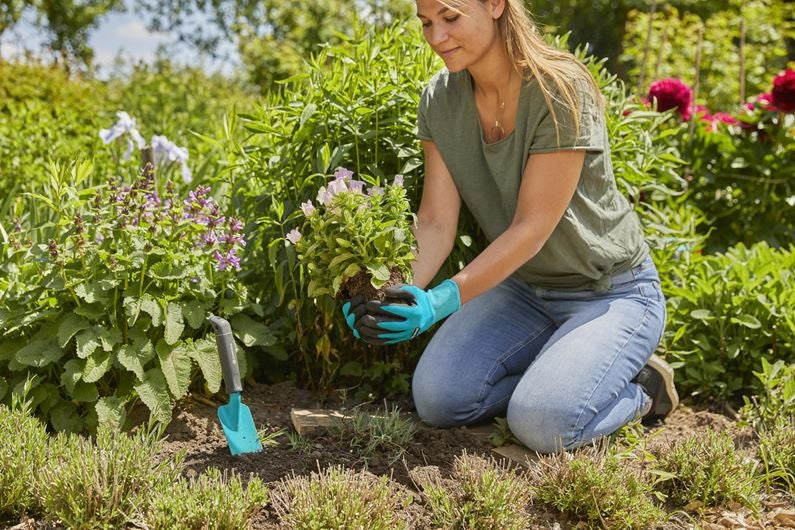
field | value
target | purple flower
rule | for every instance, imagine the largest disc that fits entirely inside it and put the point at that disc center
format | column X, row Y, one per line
column 230, row 261
column 342, row 173
column 356, row 186
column 337, row 186
column 235, row 225
column 323, row 196
column 209, row 238
column 398, row 180
column 375, row 190
column 308, row 208
column 293, row 236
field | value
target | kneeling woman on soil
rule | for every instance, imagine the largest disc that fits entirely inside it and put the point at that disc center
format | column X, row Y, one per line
column 557, row 319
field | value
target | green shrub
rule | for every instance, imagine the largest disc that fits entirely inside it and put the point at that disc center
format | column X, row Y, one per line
column 726, row 312
column 777, row 452
column 707, row 468
column 777, row 398
column 23, row 448
column 103, row 484
column 596, row 486
column 210, row 502
column 480, row 495
column 106, row 291
column 339, row 498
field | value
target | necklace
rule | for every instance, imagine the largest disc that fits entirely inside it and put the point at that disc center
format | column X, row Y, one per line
column 497, row 132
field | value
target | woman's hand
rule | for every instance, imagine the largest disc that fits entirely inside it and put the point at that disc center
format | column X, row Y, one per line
column 413, row 311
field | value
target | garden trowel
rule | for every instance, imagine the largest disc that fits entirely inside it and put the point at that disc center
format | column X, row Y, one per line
column 241, row 434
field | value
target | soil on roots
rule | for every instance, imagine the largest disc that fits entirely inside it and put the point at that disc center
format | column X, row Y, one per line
column 360, row 284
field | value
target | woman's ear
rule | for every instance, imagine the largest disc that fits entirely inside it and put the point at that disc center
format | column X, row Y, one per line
column 496, row 8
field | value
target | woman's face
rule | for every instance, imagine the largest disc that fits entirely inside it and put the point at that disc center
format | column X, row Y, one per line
column 461, row 36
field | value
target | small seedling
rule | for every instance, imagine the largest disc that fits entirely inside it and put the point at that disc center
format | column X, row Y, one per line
column 298, row 443
column 270, row 439
column 503, row 435
column 388, row 431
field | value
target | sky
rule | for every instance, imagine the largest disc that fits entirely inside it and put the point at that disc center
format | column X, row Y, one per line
column 118, row 33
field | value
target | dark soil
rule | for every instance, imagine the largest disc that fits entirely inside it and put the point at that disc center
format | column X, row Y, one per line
column 360, row 284
column 196, row 430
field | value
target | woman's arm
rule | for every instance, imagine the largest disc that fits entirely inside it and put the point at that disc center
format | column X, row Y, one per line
column 548, row 184
column 437, row 218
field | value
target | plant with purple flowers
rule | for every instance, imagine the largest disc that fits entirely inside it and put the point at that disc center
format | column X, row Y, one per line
column 105, row 301
column 358, row 240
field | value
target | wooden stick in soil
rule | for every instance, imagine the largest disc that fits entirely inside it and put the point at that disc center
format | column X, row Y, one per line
column 695, row 87
column 649, row 31
column 742, row 62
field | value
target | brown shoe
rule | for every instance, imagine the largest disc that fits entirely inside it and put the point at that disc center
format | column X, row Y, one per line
column 657, row 380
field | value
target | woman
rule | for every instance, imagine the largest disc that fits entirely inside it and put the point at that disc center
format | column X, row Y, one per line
column 557, row 319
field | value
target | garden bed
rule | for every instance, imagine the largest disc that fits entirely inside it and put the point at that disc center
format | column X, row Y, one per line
column 196, row 430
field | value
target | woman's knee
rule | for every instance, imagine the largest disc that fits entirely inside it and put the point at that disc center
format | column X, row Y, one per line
column 438, row 403
column 546, row 428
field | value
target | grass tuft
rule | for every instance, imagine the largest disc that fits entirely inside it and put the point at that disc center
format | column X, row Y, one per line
column 385, row 431
column 339, row 498
column 213, row 501
column 596, row 485
column 103, row 484
column 777, row 453
column 706, row 468
column 23, row 448
column 482, row 495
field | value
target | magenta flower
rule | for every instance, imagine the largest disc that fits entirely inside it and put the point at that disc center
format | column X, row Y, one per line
column 783, row 93
column 672, row 94
column 293, row 236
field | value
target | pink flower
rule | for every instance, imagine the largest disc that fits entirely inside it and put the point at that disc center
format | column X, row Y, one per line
column 307, row 207
column 672, row 94
column 293, row 236
column 783, row 93
column 764, row 101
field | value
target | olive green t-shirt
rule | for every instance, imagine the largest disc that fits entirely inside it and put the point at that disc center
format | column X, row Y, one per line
column 598, row 236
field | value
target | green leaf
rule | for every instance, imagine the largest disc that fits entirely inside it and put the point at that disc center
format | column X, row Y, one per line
column 701, row 314
column 176, row 366
column 72, row 373
column 70, row 325
column 381, row 272
column 87, row 342
column 194, row 313
column 205, row 353
column 134, row 357
column 111, row 412
column 748, row 321
column 148, row 305
column 352, row 368
column 108, row 338
column 251, row 332
column 167, row 271
column 64, row 417
column 86, row 392
column 3, row 387
column 174, row 323
column 9, row 348
column 153, row 392
column 91, row 292
column 97, row 365
column 39, row 353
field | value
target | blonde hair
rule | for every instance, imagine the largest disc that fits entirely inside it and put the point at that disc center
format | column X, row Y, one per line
column 555, row 71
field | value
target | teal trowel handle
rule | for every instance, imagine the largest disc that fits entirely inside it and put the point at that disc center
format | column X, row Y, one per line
column 226, row 349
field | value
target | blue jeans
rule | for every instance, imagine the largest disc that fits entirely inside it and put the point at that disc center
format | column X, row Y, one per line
column 559, row 362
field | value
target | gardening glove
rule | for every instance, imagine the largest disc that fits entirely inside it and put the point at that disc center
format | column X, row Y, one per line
column 353, row 310
column 416, row 311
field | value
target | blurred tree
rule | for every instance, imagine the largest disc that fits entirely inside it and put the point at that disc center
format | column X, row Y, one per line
column 601, row 24
column 272, row 36
column 67, row 24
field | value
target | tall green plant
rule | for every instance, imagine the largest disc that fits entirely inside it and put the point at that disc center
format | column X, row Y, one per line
column 104, row 295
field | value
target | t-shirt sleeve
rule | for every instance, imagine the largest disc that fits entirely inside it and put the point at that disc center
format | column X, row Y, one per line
column 423, row 130
column 591, row 134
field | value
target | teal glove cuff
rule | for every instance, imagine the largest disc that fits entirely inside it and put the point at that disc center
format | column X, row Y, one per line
column 445, row 299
